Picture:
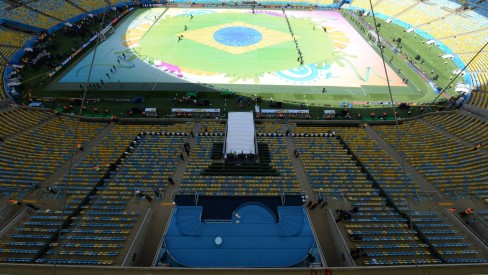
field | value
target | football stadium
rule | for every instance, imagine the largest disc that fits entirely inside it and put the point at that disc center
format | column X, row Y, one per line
column 242, row 137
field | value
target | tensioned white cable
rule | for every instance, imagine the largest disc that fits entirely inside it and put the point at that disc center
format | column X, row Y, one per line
column 399, row 135
column 75, row 137
column 395, row 117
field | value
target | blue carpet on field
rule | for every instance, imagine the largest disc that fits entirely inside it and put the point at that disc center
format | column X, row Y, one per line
column 250, row 237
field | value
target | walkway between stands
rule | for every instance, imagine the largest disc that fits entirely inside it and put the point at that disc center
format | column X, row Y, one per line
column 180, row 169
column 162, row 211
column 483, row 116
column 78, row 156
column 483, row 113
column 297, row 164
column 39, row 125
column 7, row 212
column 444, row 202
column 66, row 166
column 320, row 223
column 417, row 177
column 465, row 143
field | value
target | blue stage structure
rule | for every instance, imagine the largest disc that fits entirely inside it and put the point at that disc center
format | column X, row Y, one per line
column 260, row 232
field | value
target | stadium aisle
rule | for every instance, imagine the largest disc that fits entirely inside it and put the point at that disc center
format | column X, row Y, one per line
column 318, row 216
column 33, row 128
column 78, row 156
column 297, row 164
column 449, row 135
column 180, row 169
column 417, row 177
column 162, row 211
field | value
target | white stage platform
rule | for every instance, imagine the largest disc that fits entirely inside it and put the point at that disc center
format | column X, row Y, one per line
column 240, row 133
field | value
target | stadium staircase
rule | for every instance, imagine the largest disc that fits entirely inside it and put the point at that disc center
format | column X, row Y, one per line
column 392, row 230
column 189, row 220
column 97, row 224
column 245, row 169
column 181, row 167
column 80, row 155
column 336, row 170
column 376, row 4
column 477, row 103
column 297, row 164
column 217, row 149
column 76, row 6
column 43, row 13
column 424, row 184
column 162, row 212
column 291, row 220
column 16, row 120
column 447, row 134
column 263, row 151
column 261, row 167
column 407, row 9
column 458, row 35
column 443, row 241
column 436, row 19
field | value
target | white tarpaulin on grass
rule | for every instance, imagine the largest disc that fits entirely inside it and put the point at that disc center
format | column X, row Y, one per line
column 240, row 133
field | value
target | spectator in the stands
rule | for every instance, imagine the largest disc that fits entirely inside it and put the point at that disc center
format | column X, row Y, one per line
column 14, row 202
column 324, row 204
column 478, row 146
column 468, row 211
column 51, row 190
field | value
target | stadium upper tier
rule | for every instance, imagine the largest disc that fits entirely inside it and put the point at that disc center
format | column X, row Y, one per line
column 56, row 8
column 444, row 166
column 90, row 5
column 392, row 7
column 463, row 31
column 27, row 16
column 422, row 13
column 14, row 38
